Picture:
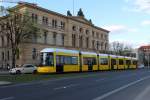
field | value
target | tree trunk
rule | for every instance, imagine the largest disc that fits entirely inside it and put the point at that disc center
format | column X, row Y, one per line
column 13, row 58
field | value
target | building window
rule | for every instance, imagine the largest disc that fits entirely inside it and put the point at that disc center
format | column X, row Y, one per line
column 73, row 40
column 45, row 20
column 102, row 45
column 34, row 38
column 3, row 56
column 81, row 30
column 62, row 25
column 102, row 36
column 97, row 45
column 34, row 53
column 45, row 37
column 97, row 35
column 93, row 33
column 105, row 46
column 87, row 32
column 63, row 39
column 87, row 42
column 54, row 23
column 34, row 18
column 93, row 44
column 8, row 40
column 7, row 55
column 2, row 38
column 74, row 28
column 80, row 41
column 106, row 37
column 54, row 38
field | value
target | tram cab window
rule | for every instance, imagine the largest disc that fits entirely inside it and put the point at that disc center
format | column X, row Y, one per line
column 103, row 61
column 47, row 59
column 120, row 62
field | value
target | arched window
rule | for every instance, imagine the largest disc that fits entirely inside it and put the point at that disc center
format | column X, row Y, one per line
column 2, row 39
column 74, row 28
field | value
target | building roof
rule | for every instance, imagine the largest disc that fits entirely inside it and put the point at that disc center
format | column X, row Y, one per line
column 22, row 4
column 145, row 47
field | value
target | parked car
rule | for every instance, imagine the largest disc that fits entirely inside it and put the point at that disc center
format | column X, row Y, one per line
column 141, row 66
column 26, row 68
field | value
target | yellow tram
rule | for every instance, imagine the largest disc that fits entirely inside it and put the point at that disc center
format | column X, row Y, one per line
column 54, row 60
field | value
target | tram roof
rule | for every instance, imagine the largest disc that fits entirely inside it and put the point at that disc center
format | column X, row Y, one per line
column 104, row 55
column 90, row 53
column 113, row 56
column 134, row 58
column 59, row 50
column 121, row 56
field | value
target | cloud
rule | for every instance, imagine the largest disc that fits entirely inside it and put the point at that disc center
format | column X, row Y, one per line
column 138, row 6
column 146, row 23
column 120, row 29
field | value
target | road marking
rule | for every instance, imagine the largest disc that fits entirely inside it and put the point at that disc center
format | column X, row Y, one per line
column 9, row 98
column 119, row 89
column 67, row 86
column 99, row 80
column 144, row 94
column 122, row 76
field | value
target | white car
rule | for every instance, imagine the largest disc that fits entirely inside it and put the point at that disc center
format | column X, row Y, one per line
column 141, row 66
column 26, row 68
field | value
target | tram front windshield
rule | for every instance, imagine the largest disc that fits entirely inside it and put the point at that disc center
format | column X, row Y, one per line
column 47, row 59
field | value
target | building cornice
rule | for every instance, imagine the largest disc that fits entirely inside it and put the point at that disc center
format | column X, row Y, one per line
column 58, row 14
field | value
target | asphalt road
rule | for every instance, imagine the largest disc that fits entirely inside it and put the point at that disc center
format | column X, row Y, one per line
column 120, row 85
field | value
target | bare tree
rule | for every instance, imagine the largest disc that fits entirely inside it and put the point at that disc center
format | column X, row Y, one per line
column 17, row 27
column 120, row 48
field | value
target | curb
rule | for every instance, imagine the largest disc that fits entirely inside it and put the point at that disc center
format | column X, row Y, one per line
column 3, row 83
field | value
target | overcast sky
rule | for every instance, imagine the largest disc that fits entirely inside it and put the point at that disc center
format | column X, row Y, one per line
column 128, row 20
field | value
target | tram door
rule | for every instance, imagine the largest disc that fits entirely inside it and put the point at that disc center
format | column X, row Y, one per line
column 113, row 63
column 59, row 64
column 90, row 64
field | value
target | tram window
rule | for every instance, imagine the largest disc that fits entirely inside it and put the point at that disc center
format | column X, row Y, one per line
column 74, row 60
column 60, row 59
column 86, row 61
column 113, row 61
column 67, row 60
column 103, row 61
column 134, row 62
column 49, row 60
column 120, row 62
column 128, row 62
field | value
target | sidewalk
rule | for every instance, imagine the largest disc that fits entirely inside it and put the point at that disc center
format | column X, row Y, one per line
column 4, row 83
column 4, row 72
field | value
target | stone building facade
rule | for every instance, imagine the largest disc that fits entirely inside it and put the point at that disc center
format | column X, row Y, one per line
column 57, row 30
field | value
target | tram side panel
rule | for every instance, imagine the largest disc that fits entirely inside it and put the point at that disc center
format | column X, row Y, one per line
column 113, row 63
column 104, row 62
column 121, row 64
column 68, row 62
column 89, row 62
